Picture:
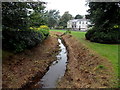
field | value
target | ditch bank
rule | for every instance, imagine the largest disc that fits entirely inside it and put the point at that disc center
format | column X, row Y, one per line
column 24, row 69
column 85, row 68
column 56, row 70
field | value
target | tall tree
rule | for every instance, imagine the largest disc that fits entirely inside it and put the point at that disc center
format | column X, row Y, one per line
column 78, row 16
column 104, row 14
column 105, row 17
column 64, row 19
column 52, row 18
column 15, row 14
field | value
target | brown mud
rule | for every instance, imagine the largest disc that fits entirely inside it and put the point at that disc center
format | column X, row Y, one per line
column 20, row 70
column 85, row 69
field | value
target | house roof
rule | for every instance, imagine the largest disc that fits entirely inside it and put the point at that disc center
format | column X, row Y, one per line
column 76, row 20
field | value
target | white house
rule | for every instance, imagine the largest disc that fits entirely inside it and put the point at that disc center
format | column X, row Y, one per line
column 78, row 24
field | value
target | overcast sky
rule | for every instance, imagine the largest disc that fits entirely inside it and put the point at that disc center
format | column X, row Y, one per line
column 73, row 6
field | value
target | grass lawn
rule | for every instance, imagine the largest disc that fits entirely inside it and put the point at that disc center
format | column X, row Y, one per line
column 108, row 51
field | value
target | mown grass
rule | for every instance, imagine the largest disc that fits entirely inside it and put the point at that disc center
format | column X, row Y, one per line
column 109, row 51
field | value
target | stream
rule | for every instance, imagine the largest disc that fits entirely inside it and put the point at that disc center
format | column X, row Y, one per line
column 56, row 70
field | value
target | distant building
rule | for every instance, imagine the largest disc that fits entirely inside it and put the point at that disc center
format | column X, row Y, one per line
column 78, row 24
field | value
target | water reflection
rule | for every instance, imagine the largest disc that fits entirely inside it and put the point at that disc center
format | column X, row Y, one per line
column 56, row 70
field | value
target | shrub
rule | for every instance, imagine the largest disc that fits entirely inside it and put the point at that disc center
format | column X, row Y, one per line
column 44, row 27
column 45, row 30
column 67, row 32
column 103, row 36
column 18, row 41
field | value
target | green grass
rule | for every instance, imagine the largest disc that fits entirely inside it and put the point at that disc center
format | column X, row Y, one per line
column 108, row 51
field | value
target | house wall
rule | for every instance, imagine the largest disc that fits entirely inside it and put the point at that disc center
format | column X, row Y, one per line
column 78, row 25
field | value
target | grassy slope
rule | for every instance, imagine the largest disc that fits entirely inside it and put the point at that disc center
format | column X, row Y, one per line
column 106, row 50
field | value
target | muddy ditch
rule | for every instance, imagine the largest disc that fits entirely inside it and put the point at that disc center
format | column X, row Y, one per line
column 56, row 70
column 21, row 70
column 86, row 69
column 74, row 66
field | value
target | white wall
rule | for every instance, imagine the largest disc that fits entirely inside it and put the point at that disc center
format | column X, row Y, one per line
column 83, row 25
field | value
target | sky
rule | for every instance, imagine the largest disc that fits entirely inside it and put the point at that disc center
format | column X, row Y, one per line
column 73, row 6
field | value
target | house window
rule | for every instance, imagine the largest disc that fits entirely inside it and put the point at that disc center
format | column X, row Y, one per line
column 79, row 22
column 86, row 23
column 83, row 23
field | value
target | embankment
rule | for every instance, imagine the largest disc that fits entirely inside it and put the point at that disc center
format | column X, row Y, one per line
column 20, row 70
column 85, row 69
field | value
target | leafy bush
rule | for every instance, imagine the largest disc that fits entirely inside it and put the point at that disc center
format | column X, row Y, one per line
column 18, row 41
column 44, row 29
column 67, row 32
column 103, row 36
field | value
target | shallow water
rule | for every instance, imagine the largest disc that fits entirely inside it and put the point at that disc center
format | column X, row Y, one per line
column 56, row 70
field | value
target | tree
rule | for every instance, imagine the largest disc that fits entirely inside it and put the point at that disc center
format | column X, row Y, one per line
column 17, row 35
column 52, row 18
column 105, row 17
column 100, row 14
column 78, row 16
column 36, row 19
column 64, row 19
column 14, row 15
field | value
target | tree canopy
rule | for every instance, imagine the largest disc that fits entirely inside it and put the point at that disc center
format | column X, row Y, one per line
column 52, row 18
column 105, row 16
column 15, row 14
column 18, row 25
column 64, row 19
column 78, row 16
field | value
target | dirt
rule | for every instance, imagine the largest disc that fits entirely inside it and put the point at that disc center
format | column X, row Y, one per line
column 20, row 70
column 85, row 68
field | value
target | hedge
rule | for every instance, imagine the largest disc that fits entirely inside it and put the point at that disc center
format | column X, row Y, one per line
column 17, row 41
column 103, row 36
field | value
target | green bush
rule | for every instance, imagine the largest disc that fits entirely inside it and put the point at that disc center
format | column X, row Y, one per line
column 67, row 32
column 18, row 41
column 42, row 29
column 45, row 30
column 103, row 36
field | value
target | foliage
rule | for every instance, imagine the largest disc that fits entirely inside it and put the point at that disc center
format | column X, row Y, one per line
column 64, row 19
column 78, row 17
column 44, row 29
column 99, row 67
column 95, row 35
column 36, row 19
column 17, row 36
column 52, row 18
column 106, row 25
column 17, row 41
column 10, row 16
column 68, row 32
